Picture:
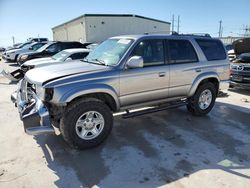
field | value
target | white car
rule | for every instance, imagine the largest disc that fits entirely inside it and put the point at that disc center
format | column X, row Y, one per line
column 11, row 55
column 60, row 57
column 64, row 56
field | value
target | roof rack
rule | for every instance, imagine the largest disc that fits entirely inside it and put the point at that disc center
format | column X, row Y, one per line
column 193, row 34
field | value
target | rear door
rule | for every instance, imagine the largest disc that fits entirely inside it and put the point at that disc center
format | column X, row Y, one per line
column 150, row 82
column 184, row 66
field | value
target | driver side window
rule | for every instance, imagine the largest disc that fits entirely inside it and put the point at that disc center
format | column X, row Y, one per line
column 152, row 52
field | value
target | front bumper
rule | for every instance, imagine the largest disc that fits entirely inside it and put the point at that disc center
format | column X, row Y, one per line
column 35, row 115
column 239, row 85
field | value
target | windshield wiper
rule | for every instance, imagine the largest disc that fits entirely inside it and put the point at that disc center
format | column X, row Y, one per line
column 99, row 61
column 94, row 61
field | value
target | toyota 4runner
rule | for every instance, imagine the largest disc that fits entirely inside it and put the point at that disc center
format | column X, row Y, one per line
column 122, row 74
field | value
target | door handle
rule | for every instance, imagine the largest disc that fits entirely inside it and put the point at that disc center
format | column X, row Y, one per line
column 198, row 70
column 162, row 74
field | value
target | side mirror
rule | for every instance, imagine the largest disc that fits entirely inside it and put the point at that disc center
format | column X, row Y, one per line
column 68, row 59
column 30, row 48
column 135, row 62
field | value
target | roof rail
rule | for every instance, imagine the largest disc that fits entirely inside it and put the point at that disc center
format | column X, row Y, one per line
column 193, row 34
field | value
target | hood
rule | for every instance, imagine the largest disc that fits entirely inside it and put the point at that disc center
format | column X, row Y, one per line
column 241, row 46
column 38, row 61
column 52, row 72
column 12, row 50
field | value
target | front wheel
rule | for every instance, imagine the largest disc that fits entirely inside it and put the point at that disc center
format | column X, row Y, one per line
column 86, row 123
column 203, row 100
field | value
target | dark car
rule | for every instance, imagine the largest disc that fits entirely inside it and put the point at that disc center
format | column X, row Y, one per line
column 48, row 50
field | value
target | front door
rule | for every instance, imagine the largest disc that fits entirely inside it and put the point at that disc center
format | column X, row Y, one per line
column 149, row 83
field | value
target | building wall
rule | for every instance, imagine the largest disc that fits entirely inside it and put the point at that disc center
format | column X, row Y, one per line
column 101, row 28
column 72, row 31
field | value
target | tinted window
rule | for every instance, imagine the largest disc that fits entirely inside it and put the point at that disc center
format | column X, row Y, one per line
column 37, row 46
column 212, row 49
column 151, row 51
column 54, row 48
column 80, row 55
column 73, row 45
column 181, row 51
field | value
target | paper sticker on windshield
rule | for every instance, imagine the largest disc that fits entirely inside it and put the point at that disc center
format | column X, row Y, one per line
column 123, row 41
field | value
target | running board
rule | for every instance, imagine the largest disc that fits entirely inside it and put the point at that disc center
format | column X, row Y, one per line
column 40, row 130
column 154, row 109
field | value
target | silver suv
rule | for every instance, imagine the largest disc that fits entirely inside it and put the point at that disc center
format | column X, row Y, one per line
column 122, row 74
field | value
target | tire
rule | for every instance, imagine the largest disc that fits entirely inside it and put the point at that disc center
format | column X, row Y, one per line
column 72, row 133
column 195, row 107
column 15, row 60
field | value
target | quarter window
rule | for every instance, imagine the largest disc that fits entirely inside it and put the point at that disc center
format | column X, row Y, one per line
column 181, row 51
column 212, row 49
column 151, row 51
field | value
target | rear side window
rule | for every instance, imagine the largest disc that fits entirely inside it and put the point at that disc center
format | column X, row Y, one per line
column 181, row 51
column 212, row 49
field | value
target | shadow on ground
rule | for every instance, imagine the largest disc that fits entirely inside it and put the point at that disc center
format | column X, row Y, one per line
column 156, row 149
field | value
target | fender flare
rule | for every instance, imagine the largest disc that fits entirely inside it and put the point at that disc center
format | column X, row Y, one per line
column 89, row 89
column 199, row 79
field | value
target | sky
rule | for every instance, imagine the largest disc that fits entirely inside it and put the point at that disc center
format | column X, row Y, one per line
column 31, row 18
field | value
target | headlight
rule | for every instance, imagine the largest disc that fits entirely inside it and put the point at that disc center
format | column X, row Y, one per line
column 40, row 91
column 44, row 93
column 23, row 57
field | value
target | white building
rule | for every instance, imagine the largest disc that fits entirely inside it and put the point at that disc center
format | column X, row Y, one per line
column 98, row 27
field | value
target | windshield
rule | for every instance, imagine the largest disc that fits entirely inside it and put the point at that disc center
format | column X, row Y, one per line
column 110, row 51
column 43, row 47
column 61, row 56
column 24, row 45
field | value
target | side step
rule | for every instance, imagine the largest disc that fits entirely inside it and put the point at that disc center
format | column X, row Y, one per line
column 40, row 130
column 154, row 109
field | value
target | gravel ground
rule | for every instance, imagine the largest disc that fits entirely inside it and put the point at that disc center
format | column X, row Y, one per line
column 165, row 149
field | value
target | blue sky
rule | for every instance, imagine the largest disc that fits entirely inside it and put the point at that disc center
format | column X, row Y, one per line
column 28, row 18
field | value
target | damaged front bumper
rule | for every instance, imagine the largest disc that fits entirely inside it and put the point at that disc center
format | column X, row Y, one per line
column 14, row 75
column 34, row 114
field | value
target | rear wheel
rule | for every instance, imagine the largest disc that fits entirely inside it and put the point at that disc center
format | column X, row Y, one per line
column 86, row 123
column 203, row 100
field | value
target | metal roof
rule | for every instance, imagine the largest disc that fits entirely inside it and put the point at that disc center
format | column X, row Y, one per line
column 111, row 15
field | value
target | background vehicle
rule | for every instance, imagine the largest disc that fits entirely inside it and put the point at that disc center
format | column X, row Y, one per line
column 240, row 71
column 121, row 74
column 11, row 55
column 38, row 39
column 61, row 57
column 48, row 50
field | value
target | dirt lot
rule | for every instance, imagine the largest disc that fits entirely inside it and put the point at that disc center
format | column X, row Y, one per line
column 164, row 149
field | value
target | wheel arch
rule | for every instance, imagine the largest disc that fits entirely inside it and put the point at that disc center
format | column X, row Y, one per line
column 104, row 93
column 203, row 78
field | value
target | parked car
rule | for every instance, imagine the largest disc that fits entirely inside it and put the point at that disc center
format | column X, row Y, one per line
column 48, row 50
column 38, row 39
column 22, row 45
column 122, row 73
column 11, row 55
column 64, row 56
column 240, row 71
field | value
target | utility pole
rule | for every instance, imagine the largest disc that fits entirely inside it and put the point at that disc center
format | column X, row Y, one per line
column 173, row 23
column 178, row 24
column 13, row 40
column 220, row 28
